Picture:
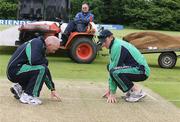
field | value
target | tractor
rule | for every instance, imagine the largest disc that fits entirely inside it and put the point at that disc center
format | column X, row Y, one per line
column 81, row 46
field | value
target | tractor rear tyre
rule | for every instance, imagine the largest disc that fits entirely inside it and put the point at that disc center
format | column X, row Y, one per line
column 83, row 50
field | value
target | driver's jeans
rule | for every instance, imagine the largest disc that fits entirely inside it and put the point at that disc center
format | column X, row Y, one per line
column 72, row 27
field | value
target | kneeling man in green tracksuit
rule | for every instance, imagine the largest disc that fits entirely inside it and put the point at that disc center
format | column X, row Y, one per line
column 127, row 65
column 28, row 69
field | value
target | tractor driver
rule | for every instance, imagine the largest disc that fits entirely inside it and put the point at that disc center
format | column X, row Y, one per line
column 79, row 24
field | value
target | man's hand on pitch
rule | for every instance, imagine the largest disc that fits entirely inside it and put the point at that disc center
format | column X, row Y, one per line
column 55, row 96
column 106, row 94
column 111, row 98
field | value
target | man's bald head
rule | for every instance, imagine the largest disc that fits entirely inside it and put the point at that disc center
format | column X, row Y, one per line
column 52, row 40
column 52, row 44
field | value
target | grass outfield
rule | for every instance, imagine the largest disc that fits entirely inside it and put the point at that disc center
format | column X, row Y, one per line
column 2, row 27
column 163, row 81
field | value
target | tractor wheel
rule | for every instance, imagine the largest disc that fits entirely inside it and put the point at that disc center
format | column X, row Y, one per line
column 167, row 60
column 83, row 50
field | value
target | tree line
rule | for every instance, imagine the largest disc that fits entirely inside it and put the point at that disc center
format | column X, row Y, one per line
column 8, row 9
column 142, row 14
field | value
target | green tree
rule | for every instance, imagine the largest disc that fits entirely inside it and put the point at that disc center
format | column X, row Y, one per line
column 8, row 10
column 11, row 1
column 161, row 14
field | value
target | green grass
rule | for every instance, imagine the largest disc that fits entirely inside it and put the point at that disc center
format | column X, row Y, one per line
column 71, row 70
column 2, row 27
column 165, row 82
column 65, row 68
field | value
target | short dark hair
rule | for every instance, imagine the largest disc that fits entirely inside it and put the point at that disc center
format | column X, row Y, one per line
column 85, row 2
column 103, row 35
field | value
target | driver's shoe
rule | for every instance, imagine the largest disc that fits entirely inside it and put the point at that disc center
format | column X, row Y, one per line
column 64, row 38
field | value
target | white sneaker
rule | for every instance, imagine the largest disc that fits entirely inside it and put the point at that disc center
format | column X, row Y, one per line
column 126, row 95
column 36, row 101
column 135, row 96
column 27, row 99
column 16, row 89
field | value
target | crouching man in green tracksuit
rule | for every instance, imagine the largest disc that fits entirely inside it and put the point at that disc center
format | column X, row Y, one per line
column 28, row 69
column 127, row 65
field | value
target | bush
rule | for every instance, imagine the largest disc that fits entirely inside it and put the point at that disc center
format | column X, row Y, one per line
column 8, row 10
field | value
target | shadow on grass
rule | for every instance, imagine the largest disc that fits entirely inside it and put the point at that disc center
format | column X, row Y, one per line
column 7, row 50
column 60, row 59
